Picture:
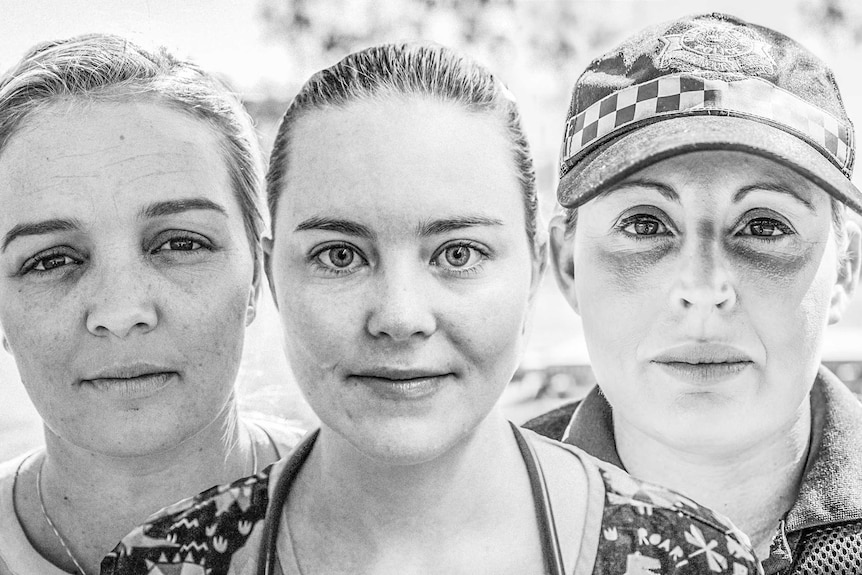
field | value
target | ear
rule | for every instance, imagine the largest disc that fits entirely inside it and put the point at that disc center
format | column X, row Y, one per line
column 267, row 268
column 254, row 291
column 848, row 272
column 563, row 259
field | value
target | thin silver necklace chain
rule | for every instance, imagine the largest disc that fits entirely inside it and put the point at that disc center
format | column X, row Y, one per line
column 51, row 523
column 57, row 531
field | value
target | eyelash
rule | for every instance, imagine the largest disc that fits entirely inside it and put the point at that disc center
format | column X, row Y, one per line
column 642, row 218
column 770, row 219
column 63, row 251
column 314, row 258
column 178, row 236
column 472, row 270
column 785, row 228
column 30, row 266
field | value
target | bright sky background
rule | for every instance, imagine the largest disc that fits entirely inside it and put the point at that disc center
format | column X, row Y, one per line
column 227, row 35
column 223, row 35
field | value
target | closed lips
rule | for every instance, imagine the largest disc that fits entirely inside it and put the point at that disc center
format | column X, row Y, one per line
column 397, row 376
column 129, row 372
column 703, row 354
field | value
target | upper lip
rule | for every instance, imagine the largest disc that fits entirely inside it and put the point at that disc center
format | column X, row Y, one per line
column 695, row 353
column 399, row 374
column 128, row 371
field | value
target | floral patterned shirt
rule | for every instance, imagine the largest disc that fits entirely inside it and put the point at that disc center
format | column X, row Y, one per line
column 632, row 527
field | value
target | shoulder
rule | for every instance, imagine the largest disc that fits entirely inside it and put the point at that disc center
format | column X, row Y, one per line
column 17, row 555
column 641, row 527
column 201, row 532
column 8, row 469
column 282, row 434
column 553, row 423
column 647, row 526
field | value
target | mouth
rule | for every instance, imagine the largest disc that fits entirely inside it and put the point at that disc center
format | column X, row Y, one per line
column 704, row 363
column 131, row 382
column 401, row 384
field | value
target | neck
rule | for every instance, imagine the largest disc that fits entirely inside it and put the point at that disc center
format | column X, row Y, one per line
column 95, row 499
column 414, row 510
column 754, row 485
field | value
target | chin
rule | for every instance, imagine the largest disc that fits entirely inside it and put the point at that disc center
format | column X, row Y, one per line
column 135, row 435
column 701, row 424
column 404, row 443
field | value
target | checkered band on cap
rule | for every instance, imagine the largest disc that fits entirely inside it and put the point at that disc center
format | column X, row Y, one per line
column 684, row 95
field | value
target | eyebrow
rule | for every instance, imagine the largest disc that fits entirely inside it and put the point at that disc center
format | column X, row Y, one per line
column 155, row 210
column 38, row 229
column 666, row 191
column 442, row 226
column 425, row 229
column 346, row 227
column 171, row 207
column 771, row 187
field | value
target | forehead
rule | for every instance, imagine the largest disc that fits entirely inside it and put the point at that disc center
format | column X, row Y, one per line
column 114, row 152
column 718, row 178
column 399, row 156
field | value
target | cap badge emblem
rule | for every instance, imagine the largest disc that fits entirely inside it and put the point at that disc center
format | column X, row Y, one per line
column 716, row 51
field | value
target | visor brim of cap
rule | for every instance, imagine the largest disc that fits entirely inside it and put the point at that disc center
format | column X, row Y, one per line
column 614, row 162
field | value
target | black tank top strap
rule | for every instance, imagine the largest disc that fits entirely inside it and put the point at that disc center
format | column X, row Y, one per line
column 267, row 557
column 542, row 502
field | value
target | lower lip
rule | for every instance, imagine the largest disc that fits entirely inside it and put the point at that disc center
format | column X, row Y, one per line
column 133, row 387
column 402, row 389
column 705, row 372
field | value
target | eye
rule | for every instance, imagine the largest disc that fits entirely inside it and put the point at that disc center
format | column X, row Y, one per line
column 180, row 244
column 52, row 262
column 765, row 228
column 643, row 225
column 49, row 261
column 460, row 257
column 340, row 258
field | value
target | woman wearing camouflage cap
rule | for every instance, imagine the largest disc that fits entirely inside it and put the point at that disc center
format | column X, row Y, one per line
column 705, row 177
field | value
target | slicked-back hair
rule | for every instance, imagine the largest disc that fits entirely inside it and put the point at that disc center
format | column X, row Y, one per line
column 407, row 70
column 104, row 67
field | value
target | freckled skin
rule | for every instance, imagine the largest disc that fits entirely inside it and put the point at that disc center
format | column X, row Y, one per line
column 117, row 299
column 707, row 279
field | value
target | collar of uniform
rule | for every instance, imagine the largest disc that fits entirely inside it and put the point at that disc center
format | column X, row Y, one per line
column 592, row 428
column 831, row 490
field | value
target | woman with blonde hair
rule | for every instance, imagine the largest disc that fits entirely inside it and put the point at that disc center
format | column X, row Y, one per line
column 130, row 249
column 705, row 179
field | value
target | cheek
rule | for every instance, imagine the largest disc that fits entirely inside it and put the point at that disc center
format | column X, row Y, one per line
column 777, row 270
column 42, row 333
column 320, row 327
column 486, row 323
column 788, row 300
column 619, row 294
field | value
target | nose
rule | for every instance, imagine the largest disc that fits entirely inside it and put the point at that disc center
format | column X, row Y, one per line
column 121, row 302
column 400, row 305
column 704, row 282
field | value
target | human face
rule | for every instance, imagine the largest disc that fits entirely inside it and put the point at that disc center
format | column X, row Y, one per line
column 127, row 279
column 402, row 272
column 705, row 283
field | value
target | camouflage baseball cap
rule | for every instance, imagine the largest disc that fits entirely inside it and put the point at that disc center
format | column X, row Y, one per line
column 705, row 82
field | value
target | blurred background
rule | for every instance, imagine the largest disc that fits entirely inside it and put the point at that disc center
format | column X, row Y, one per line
column 266, row 49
